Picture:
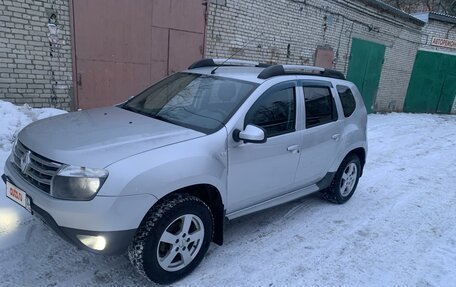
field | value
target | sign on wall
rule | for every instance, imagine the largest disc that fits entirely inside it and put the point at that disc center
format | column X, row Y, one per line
column 441, row 42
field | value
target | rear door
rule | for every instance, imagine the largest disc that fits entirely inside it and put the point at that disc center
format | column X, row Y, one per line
column 320, row 140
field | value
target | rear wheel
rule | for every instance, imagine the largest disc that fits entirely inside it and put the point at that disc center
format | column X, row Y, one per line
column 173, row 239
column 345, row 181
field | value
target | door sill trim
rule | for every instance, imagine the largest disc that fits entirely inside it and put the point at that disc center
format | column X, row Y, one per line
column 274, row 201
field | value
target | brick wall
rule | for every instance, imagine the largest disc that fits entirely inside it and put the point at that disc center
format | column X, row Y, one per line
column 293, row 29
column 438, row 29
column 35, row 53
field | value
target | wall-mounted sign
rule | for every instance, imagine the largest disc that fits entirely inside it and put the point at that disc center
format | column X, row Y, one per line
column 441, row 42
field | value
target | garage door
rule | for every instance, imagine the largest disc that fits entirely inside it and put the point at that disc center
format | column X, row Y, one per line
column 365, row 69
column 432, row 87
column 123, row 46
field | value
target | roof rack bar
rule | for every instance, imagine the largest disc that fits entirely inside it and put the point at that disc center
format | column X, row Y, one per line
column 236, row 62
column 302, row 68
column 281, row 70
column 225, row 62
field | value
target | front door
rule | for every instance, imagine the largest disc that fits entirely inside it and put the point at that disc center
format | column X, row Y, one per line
column 258, row 172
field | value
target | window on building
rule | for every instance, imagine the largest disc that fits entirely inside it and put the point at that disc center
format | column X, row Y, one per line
column 275, row 112
column 320, row 106
column 347, row 99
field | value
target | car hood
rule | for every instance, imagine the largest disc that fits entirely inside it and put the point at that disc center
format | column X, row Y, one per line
column 99, row 137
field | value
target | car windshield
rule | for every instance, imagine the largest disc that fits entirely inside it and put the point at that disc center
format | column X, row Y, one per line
column 201, row 102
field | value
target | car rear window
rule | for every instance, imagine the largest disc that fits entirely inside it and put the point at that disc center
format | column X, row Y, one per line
column 347, row 99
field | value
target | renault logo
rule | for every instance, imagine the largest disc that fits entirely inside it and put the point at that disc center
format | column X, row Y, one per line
column 25, row 162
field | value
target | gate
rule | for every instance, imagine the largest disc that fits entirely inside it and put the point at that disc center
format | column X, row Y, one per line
column 365, row 69
column 120, row 47
column 432, row 87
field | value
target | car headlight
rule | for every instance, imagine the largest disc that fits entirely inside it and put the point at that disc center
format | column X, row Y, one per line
column 77, row 183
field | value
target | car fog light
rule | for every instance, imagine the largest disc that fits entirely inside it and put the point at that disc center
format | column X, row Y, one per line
column 93, row 242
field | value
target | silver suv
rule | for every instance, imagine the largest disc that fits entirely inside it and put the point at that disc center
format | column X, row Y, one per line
column 159, row 174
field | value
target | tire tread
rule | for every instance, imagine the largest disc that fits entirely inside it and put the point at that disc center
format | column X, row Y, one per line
column 154, row 215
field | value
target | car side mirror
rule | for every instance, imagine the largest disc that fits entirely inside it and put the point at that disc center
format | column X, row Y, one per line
column 251, row 134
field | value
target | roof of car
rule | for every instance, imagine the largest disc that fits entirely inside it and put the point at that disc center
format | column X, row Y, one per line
column 258, row 72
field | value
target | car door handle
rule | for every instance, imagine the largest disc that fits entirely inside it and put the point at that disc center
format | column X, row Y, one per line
column 293, row 149
column 336, row 137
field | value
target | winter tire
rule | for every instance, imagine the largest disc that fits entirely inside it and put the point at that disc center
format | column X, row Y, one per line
column 172, row 239
column 345, row 181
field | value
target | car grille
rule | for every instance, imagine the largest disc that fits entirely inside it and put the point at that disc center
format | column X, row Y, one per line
column 39, row 171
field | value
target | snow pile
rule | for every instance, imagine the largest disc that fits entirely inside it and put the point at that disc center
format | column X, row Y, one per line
column 12, row 120
column 397, row 230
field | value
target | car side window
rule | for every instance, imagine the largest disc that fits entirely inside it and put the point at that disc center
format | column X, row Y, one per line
column 347, row 99
column 320, row 106
column 275, row 112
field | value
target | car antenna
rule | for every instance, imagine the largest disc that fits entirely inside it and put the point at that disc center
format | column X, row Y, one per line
column 235, row 53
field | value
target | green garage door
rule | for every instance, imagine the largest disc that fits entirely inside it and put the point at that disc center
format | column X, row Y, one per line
column 365, row 69
column 432, row 87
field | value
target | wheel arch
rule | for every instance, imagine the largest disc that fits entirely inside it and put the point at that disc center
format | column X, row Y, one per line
column 211, row 196
column 358, row 150
column 361, row 153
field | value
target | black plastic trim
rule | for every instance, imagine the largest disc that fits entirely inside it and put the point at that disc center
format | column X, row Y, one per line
column 202, row 63
column 210, row 63
column 272, row 71
column 325, row 182
column 219, row 227
column 314, row 83
column 278, row 70
column 117, row 241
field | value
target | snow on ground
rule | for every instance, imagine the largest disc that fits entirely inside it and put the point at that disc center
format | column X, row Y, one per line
column 397, row 230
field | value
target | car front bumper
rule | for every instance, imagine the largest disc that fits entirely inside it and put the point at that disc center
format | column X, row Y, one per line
column 112, row 219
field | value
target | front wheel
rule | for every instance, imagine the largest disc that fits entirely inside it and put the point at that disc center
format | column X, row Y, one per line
column 345, row 181
column 173, row 239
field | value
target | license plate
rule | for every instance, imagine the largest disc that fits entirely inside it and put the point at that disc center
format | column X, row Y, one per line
column 19, row 196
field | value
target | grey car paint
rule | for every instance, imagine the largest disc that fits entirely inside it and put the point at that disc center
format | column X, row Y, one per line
column 148, row 159
column 99, row 137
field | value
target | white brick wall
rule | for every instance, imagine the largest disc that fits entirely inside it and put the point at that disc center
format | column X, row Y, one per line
column 304, row 25
column 438, row 29
column 31, row 70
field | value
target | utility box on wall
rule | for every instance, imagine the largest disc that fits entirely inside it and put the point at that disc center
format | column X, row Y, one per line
column 324, row 57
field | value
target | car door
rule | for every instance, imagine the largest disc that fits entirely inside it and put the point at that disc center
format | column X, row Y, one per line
column 258, row 172
column 322, row 134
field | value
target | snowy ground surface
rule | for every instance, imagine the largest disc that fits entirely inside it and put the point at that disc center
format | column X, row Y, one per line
column 397, row 230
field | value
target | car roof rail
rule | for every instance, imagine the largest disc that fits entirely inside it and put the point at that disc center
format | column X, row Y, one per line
column 225, row 62
column 282, row 70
